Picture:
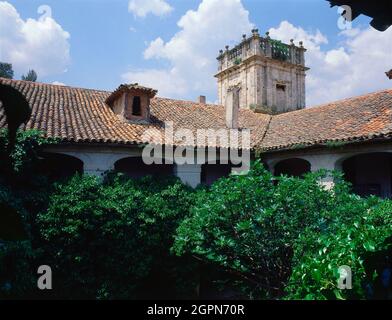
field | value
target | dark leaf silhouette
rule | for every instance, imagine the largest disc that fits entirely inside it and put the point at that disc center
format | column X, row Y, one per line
column 30, row 76
column 6, row 70
column 16, row 109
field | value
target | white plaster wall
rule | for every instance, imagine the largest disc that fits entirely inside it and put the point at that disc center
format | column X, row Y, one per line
column 98, row 160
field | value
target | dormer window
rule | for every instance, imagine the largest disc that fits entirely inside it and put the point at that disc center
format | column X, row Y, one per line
column 131, row 102
column 136, row 107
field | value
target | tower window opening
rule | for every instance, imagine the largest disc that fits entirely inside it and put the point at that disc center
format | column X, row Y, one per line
column 136, row 107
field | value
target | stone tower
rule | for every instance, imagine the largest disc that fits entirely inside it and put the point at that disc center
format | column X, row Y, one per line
column 268, row 76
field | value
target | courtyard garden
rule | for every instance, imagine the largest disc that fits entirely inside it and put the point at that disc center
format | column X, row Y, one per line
column 253, row 236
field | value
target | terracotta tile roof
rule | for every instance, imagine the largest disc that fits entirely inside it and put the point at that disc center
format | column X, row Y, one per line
column 81, row 115
column 356, row 119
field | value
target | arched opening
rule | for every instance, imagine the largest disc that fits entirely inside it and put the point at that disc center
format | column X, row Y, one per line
column 212, row 172
column 136, row 168
column 58, row 166
column 294, row 167
column 370, row 174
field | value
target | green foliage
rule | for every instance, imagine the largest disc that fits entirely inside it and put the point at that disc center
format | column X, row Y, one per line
column 30, row 76
column 17, row 273
column 260, row 228
column 122, row 227
column 25, row 154
column 237, row 61
column 23, row 193
column 21, row 188
column 259, row 108
column 319, row 255
column 298, row 146
column 6, row 70
column 266, row 236
column 103, row 240
column 335, row 144
column 111, row 240
column 280, row 50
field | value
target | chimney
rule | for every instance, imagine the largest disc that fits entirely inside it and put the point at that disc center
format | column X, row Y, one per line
column 233, row 107
column 201, row 99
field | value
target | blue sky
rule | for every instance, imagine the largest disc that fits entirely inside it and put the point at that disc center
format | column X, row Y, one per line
column 101, row 43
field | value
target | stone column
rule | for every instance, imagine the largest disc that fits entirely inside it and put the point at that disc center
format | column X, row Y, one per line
column 96, row 168
column 324, row 161
column 293, row 52
column 268, row 48
column 302, row 53
column 189, row 174
column 96, row 164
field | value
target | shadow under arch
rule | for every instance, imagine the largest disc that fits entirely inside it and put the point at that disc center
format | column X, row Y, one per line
column 369, row 173
column 295, row 167
column 58, row 166
column 134, row 167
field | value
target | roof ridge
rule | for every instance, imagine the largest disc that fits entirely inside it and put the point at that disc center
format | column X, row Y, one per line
column 189, row 101
column 53, row 85
column 103, row 91
column 328, row 104
column 352, row 98
column 267, row 127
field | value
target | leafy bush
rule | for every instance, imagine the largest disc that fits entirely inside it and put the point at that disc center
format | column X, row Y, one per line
column 102, row 240
column 21, row 188
column 260, row 228
column 269, row 237
column 109, row 240
column 25, row 154
column 319, row 255
column 23, row 193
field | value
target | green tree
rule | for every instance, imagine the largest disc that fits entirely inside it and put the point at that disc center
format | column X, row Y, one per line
column 259, row 228
column 112, row 240
column 6, row 70
column 103, row 240
column 356, row 244
column 30, row 76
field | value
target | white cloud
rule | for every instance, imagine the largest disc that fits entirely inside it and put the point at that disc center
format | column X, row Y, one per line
column 167, row 81
column 357, row 66
column 141, row 8
column 191, row 52
column 40, row 44
column 58, row 83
